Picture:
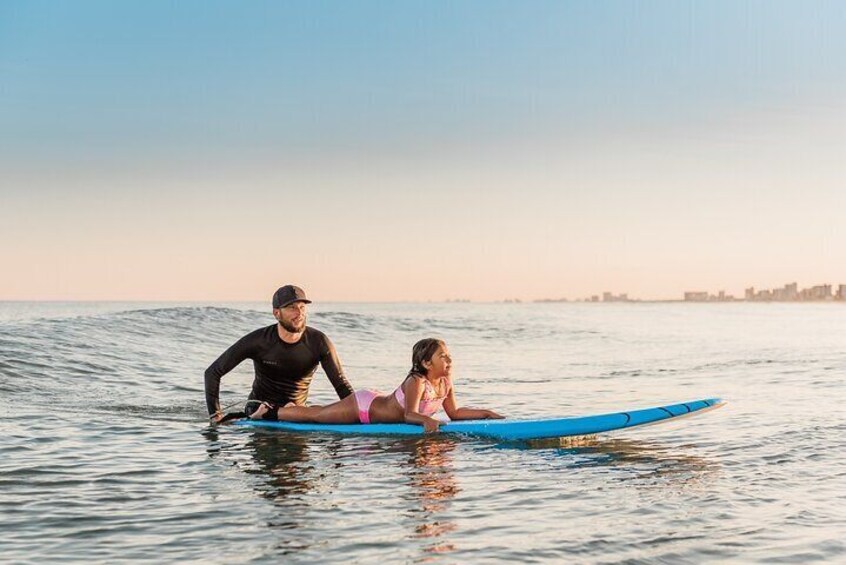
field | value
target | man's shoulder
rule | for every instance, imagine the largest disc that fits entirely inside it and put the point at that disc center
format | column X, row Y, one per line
column 260, row 334
column 317, row 339
column 314, row 334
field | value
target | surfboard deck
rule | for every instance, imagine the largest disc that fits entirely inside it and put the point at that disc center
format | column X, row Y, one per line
column 512, row 429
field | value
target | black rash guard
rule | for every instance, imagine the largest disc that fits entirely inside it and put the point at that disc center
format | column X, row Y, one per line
column 283, row 370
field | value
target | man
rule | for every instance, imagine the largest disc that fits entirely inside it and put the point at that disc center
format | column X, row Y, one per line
column 285, row 356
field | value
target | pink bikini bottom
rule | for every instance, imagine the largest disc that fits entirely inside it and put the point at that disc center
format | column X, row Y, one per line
column 364, row 398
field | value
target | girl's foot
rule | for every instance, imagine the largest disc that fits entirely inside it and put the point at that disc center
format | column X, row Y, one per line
column 263, row 409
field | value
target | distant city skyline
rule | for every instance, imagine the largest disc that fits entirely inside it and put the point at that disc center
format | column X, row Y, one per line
column 790, row 292
column 415, row 151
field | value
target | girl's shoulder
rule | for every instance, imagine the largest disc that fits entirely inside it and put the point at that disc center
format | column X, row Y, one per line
column 414, row 376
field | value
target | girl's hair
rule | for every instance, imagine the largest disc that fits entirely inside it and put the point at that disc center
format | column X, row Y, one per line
column 423, row 350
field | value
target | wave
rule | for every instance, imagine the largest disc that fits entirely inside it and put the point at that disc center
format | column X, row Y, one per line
column 144, row 357
column 113, row 356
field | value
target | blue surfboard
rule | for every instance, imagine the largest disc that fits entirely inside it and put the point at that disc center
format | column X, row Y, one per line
column 511, row 430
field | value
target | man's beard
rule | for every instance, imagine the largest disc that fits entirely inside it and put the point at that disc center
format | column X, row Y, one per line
column 293, row 328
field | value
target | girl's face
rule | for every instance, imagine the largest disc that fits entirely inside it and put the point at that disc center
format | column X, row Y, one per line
column 440, row 365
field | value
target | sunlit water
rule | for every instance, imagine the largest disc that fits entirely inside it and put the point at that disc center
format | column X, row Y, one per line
column 106, row 456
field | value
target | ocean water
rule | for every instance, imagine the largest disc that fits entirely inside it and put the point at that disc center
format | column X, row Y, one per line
column 106, row 455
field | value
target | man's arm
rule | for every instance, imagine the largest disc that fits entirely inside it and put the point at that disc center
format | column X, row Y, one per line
column 332, row 367
column 226, row 362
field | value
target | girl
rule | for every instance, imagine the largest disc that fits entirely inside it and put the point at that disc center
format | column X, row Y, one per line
column 426, row 389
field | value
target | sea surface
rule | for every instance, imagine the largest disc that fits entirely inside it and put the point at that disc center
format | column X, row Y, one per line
column 106, row 454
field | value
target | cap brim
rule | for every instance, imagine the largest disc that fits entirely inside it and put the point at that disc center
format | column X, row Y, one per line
column 307, row 301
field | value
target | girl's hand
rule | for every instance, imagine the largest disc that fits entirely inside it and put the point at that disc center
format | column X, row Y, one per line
column 491, row 415
column 430, row 425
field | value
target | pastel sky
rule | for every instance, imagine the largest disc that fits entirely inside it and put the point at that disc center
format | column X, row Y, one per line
column 380, row 151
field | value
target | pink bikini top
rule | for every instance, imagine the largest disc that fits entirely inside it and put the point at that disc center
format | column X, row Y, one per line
column 430, row 402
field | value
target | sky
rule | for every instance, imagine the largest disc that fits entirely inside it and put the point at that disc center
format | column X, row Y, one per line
column 393, row 151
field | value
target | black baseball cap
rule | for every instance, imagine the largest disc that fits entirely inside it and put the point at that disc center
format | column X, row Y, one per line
column 289, row 294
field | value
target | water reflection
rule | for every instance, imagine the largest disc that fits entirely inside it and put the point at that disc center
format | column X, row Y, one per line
column 287, row 473
column 647, row 463
column 433, row 487
column 293, row 468
column 282, row 459
column 319, row 482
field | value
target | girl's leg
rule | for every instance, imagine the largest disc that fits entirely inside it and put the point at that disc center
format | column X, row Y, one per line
column 345, row 411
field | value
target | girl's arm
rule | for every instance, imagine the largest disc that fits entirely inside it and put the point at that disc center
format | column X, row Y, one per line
column 455, row 413
column 413, row 394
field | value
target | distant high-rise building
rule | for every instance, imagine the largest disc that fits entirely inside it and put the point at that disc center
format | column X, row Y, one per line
column 696, row 296
column 791, row 291
column 750, row 293
column 819, row 292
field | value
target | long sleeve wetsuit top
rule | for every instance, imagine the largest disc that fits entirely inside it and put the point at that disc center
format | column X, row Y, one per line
column 283, row 370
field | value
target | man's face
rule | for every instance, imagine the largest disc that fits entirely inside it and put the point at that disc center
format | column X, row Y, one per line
column 293, row 316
